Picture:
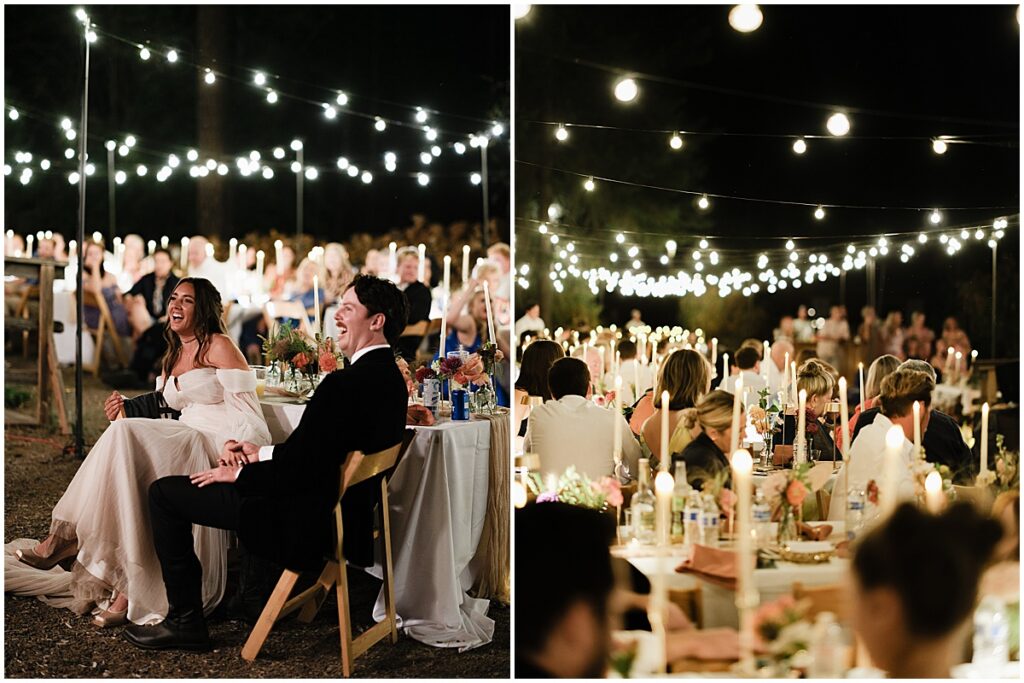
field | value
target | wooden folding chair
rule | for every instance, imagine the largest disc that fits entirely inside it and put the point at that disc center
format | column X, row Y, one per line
column 357, row 469
column 834, row 598
column 824, row 499
column 104, row 327
column 28, row 294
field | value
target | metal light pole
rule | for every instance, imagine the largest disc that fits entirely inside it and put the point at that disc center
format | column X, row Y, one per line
column 995, row 246
column 80, row 300
column 483, row 185
column 111, row 198
column 298, row 189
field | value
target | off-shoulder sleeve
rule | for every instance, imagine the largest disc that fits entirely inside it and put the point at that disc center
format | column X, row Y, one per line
column 243, row 407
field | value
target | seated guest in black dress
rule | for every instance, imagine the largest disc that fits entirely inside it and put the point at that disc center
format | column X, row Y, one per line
column 815, row 378
column 942, row 440
column 147, row 306
column 280, row 498
column 538, row 358
column 705, row 455
column 419, row 298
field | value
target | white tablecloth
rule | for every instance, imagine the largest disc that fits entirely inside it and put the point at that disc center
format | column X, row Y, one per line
column 64, row 311
column 438, row 501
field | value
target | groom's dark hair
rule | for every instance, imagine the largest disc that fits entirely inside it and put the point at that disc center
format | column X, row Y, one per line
column 382, row 296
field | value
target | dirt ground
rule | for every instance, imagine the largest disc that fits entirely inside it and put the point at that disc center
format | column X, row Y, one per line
column 44, row 642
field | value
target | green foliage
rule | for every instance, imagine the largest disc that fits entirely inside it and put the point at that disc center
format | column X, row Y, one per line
column 15, row 397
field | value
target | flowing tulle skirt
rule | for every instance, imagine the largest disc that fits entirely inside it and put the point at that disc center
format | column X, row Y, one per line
column 106, row 507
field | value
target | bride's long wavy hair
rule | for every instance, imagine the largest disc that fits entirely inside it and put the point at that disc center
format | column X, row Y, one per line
column 208, row 321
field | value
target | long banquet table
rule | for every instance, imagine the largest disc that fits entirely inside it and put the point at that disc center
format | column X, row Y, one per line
column 439, row 499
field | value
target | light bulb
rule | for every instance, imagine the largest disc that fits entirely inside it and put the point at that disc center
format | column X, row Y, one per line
column 90, row 35
column 745, row 18
column 589, row 185
column 790, row 245
column 296, row 167
column 703, row 244
column 838, row 124
column 939, row 146
column 173, row 161
column 210, row 78
column 352, row 171
column 65, row 124
column 423, row 179
column 366, row 177
column 120, row 177
column 141, row 170
column 222, row 169
column 130, row 141
column 268, row 172
column 430, row 134
column 435, row 151
column 70, row 134
column 675, row 142
column 935, row 217
column 45, row 164
column 459, row 147
column 626, row 90
column 497, row 130
column 312, row 173
column 271, row 96
column 341, row 99
column 123, row 150
column 475, row 179
column 561, row 134
column 425, row 158
column 819, row 213
column 799, row 146
column 296, row 145
column 144, row 53
column 192, row 155
column 342, row 163
column 380, row 125
column 259, row 78
column 329, row 111
column 703, row 202
column 110, row 145
column 172, row 56
column 421, row 115
column 519, row 11
column 73, row 178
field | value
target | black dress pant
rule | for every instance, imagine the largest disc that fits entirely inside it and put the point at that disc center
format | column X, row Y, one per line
column 175, row 504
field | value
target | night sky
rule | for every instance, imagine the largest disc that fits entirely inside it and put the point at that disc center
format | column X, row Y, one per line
column 931, row 65
column 454, row 60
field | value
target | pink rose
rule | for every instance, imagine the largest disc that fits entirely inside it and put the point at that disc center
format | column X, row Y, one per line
column 328, row 363
column 301, row 360
column 727, row 500
column 795, row 493
column 611, row 488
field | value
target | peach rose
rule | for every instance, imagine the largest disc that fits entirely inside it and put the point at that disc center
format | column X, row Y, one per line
column 795, row 493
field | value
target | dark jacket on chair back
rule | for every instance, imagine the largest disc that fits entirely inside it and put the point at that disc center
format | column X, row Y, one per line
column 288, row 500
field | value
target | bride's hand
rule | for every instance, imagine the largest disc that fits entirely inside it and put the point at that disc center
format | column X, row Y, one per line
column 225, row 474
column 113, row 406
column 231, row 454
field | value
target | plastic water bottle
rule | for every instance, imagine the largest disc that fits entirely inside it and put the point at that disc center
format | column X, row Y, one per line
column 709, row 519
column 854, row 513
column 691, row 517
column 991, row 633
column 679, row 499
column 761, row 513
column 827, row 648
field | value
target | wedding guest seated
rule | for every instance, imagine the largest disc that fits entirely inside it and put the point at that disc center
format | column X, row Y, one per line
column 785, row 330
column 501, row 254
column 636, row 377
column 148, row 307
column 136, row 265
column 537, row 360
column 868, row 450
column 686, row 376
column 571, row 430
column 916, row 584
column 942, row 440
column 881, row 367
column 705, row 454
column 299, row 309
column 817, row 379
column 339, row 272
column 202, row 264
column 46, row 249
column 748, row 361
column 102, row 283
column 531, row 323
column 280, row 277
column 279, row 498
column 418, row 295
column 778, row 373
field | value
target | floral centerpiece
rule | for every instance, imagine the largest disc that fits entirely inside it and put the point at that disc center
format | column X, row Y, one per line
column 403, row 366
column 766, row 415
column 1007, row 468
column 784, row 630
column 785, row 492
column 290, row 352
column 575, row 488
column 919, row 471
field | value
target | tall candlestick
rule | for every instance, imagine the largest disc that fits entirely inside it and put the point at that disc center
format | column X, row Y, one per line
column 666, row 451
column 600, row 351
column 316, row 305
column 764, row 361
column 392, row 257
column 959, row 362
column 28, row 245
column 663, row 485
column 785, row 378
column 933, row 492
column 734, row 440
column 860, row 371
column 278, row 248
column 844, row 420
column 800, row 452
column 974, row 357
column 948, row 368
column 725, row 369
column 151, row 247
column 617, row 442
column 714, row 351
column 636, row 380
column 792, row 377
column 465, row 264
column 917, row 429
column 232, row 250
column 746, row 592
column 983, row 450
column 613, row 358
column 894, row 439
column 260, row 256
column 490, row 319
column 184, row 253
column 444, row 308
column 422, row 271
column 165, row 241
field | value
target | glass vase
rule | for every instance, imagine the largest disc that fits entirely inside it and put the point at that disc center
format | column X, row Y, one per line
column 485, row 399
column 787, row 525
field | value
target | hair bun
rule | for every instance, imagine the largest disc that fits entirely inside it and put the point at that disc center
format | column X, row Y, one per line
column 689, row 418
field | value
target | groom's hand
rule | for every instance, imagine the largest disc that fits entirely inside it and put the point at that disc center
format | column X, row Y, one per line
column 231, row 454
column 225, row 474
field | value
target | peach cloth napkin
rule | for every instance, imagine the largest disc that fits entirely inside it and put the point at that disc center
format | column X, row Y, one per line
column 713, row 565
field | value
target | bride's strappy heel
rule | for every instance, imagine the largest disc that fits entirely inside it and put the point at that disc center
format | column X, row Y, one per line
column 108, row 619
column 64, row 556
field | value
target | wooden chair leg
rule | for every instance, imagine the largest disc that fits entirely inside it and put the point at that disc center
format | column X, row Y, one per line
column 389, row 583
column 269, row 615
column 328, row 577
column 57, row 384
column 341, row 589
column 98, row 357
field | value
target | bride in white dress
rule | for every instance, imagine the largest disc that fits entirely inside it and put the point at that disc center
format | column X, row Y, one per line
column 102, row 520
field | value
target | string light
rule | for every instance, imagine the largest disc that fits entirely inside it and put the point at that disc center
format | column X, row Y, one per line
column 459, row 147
column 475, row 178
column 296, row 145
column 838, row 124
column 380, row 125
column 799, row 146
column 561, row 134
column 675, row 142
column 519, row 11
column 939, row 146
column 13, row 114
column 210, row 78
column 271, row 96
column 703, row 202
column 268, row 172
column 172, row 56
column 626, row 90
column 589, row 185
column 421, row 115
column 312, row 173
column 330, row 112
column 819, row 213
column 745, row 18
column 366, row 177
column 352, row 171
column 423, row 179
column 935, row 217
column 497, row 130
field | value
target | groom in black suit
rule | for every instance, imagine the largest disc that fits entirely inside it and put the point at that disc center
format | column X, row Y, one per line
column 279, row 498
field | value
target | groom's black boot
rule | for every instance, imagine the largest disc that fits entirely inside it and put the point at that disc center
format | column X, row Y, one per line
column 181, row 630
column 256, row 581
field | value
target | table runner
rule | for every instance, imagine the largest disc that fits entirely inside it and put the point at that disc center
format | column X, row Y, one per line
column 491, row 562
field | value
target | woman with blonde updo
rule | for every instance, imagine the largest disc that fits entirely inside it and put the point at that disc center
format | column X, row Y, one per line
column 705, row 454
column 686, row 377
column 817, row 378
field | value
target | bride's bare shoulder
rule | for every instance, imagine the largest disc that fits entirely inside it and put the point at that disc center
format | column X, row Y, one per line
column 224, row 354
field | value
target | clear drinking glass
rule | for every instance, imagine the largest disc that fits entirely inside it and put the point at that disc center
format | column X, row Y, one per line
column 261, row 379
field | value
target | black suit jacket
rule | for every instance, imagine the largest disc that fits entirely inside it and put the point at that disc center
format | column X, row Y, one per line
column 942, row 443
column 820, row 440
column 287, row 501
column 419, row 298
column 145, row 288
column 703, row 459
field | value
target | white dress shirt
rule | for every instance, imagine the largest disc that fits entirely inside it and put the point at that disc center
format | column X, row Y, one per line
column 866, row 462
column 751, row 380
column 631, row 372
column 215, row 272
column 528, row 324
column 778, row 380
column 267, row 452
column 576, row 431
